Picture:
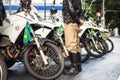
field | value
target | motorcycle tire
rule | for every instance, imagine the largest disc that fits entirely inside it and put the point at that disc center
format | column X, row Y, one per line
column 35, row 66
column 85, row 51
column 110, row 45
column 3, row 69
column 96, row 53
column 10, row 63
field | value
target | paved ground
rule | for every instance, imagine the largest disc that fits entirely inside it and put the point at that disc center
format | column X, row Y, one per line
column 104, row 68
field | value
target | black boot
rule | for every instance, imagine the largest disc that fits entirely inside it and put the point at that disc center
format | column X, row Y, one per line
column 79, row 62
column 74, row 65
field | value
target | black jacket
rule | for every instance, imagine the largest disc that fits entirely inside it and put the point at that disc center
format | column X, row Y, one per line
column 71, row 11
column 2, row 11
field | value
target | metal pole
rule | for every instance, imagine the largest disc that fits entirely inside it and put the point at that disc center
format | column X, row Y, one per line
column 103, row 12
column 44, row 9
column 10, row 8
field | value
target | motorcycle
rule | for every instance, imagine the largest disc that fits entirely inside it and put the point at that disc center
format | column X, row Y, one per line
column 100, row 31
column 18, row 42
column 96, row 44
column 103, row 33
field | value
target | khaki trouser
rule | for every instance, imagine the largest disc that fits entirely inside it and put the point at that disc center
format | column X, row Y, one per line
column 71, row 37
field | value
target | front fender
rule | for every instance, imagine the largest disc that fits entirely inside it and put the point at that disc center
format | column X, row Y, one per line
column 42, row 41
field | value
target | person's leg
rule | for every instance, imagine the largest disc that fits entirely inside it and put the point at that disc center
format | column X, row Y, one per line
column 72, row 45
column 79, row 53
column 74, row 65
column 79, row 62
column 71, row 37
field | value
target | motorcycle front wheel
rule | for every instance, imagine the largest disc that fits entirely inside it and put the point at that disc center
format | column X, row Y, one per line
column 3, row 69
column 110, row 45
column 35, row 65
column 85, row 51
column 102, row 48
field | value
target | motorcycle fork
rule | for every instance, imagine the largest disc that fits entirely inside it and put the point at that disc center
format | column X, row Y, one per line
column 39, row 48
column 95, row 42
column 66, row 52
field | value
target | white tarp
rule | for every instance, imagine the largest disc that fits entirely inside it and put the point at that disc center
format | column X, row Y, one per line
column 16, row 2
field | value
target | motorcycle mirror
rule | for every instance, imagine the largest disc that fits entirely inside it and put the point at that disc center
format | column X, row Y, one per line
column 53, row 10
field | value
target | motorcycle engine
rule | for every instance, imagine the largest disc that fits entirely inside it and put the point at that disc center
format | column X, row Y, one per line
column 4, row 41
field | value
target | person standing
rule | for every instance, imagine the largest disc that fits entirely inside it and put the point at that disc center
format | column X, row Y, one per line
column 2, row 13
column 71, row 12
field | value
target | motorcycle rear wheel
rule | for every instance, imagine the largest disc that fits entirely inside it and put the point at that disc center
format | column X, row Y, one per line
column 35, row 66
